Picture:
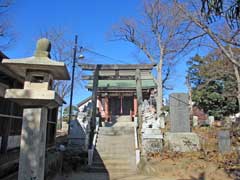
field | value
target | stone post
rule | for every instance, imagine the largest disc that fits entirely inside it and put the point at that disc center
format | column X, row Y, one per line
column 33, row 142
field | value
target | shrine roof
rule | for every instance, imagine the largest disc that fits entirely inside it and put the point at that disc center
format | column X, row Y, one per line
column 122, row 84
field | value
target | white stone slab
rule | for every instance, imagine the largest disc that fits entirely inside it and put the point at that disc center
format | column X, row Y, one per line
column 150, row 133
column 195, row 121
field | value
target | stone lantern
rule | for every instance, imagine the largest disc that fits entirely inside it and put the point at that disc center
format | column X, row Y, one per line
column 37, row 96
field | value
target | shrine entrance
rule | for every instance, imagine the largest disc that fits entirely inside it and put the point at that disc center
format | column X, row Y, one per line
column 121, row 105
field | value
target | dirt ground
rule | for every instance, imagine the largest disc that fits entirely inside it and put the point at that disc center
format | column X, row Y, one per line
column 184, row 167
column 208, row 164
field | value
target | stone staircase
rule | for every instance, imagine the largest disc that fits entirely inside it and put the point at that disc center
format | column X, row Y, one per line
column 115, row 150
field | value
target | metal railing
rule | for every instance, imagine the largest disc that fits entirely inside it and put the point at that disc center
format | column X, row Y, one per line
column 137, row 150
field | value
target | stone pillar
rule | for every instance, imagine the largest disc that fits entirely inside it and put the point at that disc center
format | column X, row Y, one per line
column 33, row 142
column 106, row 107
column 135, row 106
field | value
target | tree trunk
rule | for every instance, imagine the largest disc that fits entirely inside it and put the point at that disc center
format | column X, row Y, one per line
column 188, row 83
column 159, row 90
column 61, row 117
column 236, row 71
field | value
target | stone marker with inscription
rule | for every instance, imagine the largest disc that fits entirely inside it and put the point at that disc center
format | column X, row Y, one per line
column 179, row 113
column 180, row 138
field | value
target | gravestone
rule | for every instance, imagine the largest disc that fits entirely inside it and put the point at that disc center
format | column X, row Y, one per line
column 195, row 121
column 179, row 113
column 224, row 142
column 211, row 120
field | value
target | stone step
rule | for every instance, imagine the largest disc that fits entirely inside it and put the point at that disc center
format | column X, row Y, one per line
column 112, row 170
column 119, row 136
column 114, row 132
column 115, row 142
column 116, row 152
column 116, row 156
column 115, row 139
column 114, row 161
column 129, row 151
column 114, row 148
column 123, row 118
column 104, row 157
column 116, row 165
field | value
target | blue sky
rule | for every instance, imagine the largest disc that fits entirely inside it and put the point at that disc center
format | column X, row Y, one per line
column 91, row 20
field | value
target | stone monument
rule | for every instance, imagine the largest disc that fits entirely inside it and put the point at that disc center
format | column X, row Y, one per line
column 224, row 141
column 36, row 97
column 211, row 120
column 180, row 138
column 179, row 113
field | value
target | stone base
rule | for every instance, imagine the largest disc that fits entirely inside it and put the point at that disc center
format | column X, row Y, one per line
column 152, row 145
column 181, row 142
column 152, row 140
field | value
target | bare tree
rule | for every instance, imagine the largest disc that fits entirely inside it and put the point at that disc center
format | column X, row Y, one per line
column 224, row 37
column 229, row 9
column 6, row 33
column 161, row 34
column 192, row 11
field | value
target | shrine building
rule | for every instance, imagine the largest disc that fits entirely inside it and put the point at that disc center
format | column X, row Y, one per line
column 115, row 87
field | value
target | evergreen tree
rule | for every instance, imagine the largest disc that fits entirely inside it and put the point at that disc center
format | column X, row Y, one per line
column 214, row 84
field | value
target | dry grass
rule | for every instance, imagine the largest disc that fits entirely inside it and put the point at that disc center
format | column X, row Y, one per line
column 208, row 161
